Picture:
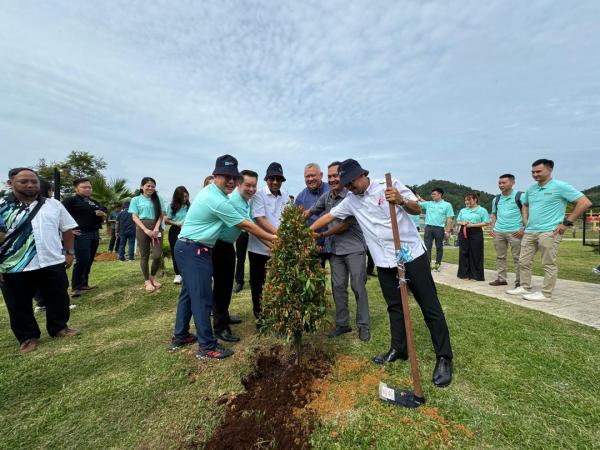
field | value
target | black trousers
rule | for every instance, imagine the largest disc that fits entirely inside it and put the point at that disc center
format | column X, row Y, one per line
column 434, row 233
column 423, row 288
column 18, row 291
column 223, row 257
column 174, row 231
column 370, row 264
column 470, row 259
column 241, row 246
column 258, row 273
column 86, row 246
column 113, row 244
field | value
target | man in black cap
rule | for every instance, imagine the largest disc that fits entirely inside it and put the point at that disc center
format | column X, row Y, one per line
column 267, row 205
column 368, row 201
column 209, row 215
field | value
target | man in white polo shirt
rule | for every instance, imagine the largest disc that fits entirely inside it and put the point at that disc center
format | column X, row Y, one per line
column 266, row 207
column 32, row 258
column 368, row 201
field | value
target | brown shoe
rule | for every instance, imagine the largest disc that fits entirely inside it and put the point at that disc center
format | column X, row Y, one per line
column 76, row 292
column 88, row 288
column 67, row 332
column 29, row 345
column 498, row 283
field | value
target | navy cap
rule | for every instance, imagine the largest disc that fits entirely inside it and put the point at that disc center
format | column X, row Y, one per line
column 350, row 170
column 274, row 170
column 226, row 165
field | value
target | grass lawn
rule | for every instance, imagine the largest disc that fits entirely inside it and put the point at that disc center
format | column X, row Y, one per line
column 523, row 379
column 575, row 262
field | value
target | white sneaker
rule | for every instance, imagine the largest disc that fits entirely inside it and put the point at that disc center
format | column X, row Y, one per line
column 536, row 296
column 39, row 309
column 596, row 270
column 177, row 279
column 518, row 291
column 72, row 306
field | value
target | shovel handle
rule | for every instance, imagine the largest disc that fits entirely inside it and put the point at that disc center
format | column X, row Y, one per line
column 410, row 341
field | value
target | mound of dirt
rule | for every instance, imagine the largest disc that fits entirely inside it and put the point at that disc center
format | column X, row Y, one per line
column 272, row 412
column 106, row 256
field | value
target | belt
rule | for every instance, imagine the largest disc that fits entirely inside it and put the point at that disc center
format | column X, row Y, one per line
column 190, row 241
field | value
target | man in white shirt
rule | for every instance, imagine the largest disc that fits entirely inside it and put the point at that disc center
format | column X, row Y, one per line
column 31, row 258
column 266, row 207
column 368, row 201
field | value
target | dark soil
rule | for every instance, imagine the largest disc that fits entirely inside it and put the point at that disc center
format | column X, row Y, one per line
column 271, row 412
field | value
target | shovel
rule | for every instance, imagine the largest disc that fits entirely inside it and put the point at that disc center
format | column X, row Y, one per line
column 403, row 397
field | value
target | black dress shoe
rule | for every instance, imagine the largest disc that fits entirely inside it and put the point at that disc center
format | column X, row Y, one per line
column 390, row 356
column 339, row 331
column 234, row 320
column 226, row 336
column 442, row 374
column 364, row 334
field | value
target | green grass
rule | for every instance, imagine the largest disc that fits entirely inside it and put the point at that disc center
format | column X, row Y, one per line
column 575, row 262
column 523, row 379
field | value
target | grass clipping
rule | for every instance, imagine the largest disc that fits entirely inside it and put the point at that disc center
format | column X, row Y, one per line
column 294, row 294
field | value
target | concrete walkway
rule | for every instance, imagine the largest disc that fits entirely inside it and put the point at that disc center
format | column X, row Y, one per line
column 573, row 300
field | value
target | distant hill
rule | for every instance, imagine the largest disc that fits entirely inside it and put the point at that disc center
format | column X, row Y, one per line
column 453, row 193
column 593, row 194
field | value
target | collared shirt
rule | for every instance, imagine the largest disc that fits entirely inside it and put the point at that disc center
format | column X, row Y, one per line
column 416, row 218
column 508, row 213
column 83, row 210
column 126, row 223
column 436, row 213
column 241, row 205
column 144, row 208
column 269, row 206
column 40, row 244
column 351, row 240
column 475, row 215
column 179, row 217
column 307, row 199
column 547, row 204
column 210, row 212
column 372, row 212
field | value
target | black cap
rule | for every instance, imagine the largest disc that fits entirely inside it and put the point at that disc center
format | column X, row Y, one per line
column 274, row 170
column 226, row 165
column 350, row 170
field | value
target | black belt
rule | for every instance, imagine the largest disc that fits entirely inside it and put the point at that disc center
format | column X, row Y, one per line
column 190, row 241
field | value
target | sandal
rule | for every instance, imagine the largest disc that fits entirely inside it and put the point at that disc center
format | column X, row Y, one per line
column 149, row 286
column 155, row 283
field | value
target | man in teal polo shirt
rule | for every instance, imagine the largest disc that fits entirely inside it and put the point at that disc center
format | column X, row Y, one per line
column 507, row 227
column 544, row 209
column 438, row 224
column 223, row 258
column 210, row 213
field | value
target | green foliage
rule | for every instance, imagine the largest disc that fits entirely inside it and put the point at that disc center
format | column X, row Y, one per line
column 593, row 194
column 78, row 164
column 110, row 193
column 294, row 293
column 454, row 193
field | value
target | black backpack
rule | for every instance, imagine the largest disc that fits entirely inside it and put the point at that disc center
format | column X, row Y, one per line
column 517, row 200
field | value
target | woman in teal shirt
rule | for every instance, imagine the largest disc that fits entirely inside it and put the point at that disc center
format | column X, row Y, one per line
column 147, row 211
column 471, row 219
column 176, row 213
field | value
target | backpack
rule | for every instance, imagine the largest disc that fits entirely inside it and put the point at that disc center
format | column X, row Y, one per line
column 517, row 200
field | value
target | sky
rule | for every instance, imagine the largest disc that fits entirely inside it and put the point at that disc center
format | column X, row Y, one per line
column 454, row 90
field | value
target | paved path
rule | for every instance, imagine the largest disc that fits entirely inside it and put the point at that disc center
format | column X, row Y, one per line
column 573, row 300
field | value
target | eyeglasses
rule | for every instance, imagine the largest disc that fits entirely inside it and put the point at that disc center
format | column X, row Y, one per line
column 229, row 177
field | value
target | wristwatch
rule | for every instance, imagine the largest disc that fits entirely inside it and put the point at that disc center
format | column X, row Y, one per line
column 70, row 252
column 567, row 223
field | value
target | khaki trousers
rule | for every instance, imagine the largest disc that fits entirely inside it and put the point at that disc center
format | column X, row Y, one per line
column 501, row 242
column 547, row 244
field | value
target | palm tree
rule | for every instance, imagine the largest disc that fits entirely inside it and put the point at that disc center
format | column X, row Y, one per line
column 110, row 194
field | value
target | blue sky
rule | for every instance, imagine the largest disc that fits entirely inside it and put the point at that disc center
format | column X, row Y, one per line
column 461, row 91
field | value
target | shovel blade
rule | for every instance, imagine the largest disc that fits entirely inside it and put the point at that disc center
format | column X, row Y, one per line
column 401, row 397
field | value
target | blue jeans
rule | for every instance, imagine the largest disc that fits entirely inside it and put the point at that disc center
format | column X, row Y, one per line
column 128, row 239
column 196, row 297
column 86, row 245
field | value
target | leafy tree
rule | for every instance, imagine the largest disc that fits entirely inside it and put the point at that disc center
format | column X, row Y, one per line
column 110, row 193
column 454, row 194
column 78, row 164
column 294, row 293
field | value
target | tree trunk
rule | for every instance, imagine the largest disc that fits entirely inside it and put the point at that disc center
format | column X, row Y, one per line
column 298, row 347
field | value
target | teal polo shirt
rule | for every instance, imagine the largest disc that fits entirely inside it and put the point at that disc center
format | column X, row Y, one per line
column 144, row 208
column 436, row 213
column 180, row 216
column 477, row 215
column 508, row 213
column 547, row 204
column 230, row 234
column 210, row 212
